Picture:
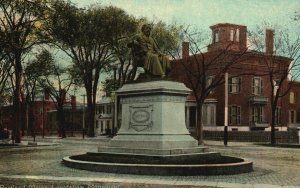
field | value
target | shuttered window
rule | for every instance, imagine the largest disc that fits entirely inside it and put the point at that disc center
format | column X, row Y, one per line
column 234, row 85
column 257, row 86
column 235, row 115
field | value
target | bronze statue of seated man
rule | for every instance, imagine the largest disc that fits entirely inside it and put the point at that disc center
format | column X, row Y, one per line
column 146, row 54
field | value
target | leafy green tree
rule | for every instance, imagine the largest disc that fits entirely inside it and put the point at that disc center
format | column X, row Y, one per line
column 109, row 86
column 168, row 38
column 90, row 37
column 21, row 24
column 123, row 26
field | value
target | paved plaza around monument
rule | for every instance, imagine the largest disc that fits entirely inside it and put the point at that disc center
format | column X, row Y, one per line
column 41, row 167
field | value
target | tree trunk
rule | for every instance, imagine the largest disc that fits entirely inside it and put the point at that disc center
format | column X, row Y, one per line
column 274, row 100
column 31, row 123
column 199, row 124
column 17, row 102
column 16, row 136
column 61, row 121
column 23, row 110
column 273, row 111
column 91, row 116
column 91, row 91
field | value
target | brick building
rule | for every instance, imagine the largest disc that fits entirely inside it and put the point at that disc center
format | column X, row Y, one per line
column 40, row 118
column 249, row 86
column 34, row 117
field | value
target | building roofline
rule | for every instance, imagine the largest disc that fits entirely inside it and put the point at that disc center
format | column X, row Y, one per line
column 248, row 53
column 257, row 53
column 226, row 24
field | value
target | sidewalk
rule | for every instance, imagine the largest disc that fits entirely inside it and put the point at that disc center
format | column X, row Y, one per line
column 28, row 141
column 115, row 182
column 74, row 139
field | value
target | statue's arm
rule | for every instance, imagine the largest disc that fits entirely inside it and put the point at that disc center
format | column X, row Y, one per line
column 134, row 42
column 136, row 46
column 156, row 48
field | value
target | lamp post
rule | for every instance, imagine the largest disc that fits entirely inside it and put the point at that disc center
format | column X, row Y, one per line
column 226, row 111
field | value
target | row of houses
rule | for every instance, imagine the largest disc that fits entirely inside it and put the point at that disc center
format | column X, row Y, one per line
column 41, row 117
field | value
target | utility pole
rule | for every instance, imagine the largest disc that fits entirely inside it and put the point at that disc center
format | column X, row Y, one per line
column 1, row 122
column 43, row 112
column 73, row 107
column 83, row 117
column 27, row 120
column 226, row 111
column 114, row 103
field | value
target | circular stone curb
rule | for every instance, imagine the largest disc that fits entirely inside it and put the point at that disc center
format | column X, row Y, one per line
column 161, row 169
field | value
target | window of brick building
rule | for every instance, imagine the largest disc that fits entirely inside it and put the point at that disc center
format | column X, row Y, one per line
column 234, row 85
column 292, row 97
column 292, row 116
column 257, row 86
column 234, row 35
column 231, row 34
column 208, row 115
column 257, row 114
column 216, row 36
column 235, row 115
column 237, row 35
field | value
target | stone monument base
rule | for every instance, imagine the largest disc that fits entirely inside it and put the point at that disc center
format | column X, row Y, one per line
column 152, row 145
column 153, row 120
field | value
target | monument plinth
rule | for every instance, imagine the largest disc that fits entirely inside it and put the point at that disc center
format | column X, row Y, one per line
column 153, row 120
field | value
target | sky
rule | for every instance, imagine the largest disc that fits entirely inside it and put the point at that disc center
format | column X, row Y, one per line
column 204, row 13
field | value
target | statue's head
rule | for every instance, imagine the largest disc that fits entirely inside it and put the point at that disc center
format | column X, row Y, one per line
column 146, row 29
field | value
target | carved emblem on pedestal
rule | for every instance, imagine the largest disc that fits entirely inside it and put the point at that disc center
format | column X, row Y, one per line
column 140, row 117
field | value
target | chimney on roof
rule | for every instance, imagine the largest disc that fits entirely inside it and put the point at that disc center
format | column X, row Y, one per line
column 185, row 49
column 269, row 41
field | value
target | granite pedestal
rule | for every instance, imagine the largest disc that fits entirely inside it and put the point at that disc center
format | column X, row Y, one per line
column 153, row 120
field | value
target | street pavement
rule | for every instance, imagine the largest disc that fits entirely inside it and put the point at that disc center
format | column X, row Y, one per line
column 40, row 166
